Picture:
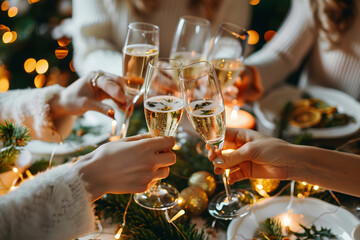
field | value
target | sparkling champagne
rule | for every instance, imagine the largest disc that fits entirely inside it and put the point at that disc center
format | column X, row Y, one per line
column 187, row 57
column 163, row 114
column 227, row 70
column 208, row 119
column 136, row 58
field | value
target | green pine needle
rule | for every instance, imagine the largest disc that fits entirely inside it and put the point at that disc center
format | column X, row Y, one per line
column 271, row 229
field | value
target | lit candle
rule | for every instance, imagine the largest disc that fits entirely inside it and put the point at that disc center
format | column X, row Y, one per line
column 239, row 118
column 113, row 127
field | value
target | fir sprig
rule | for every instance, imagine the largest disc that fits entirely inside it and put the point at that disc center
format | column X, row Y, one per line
column 13, row 138
column 270, row 229
column 145, row 224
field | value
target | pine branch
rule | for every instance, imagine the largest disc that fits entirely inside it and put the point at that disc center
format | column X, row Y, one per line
column 14, row 138
column 271, row 229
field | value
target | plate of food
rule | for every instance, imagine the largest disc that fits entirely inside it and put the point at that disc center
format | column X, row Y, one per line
column 322, row 112
column 311, row 214
column 90, row 129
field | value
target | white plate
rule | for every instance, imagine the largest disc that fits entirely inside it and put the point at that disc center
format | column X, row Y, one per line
column 90, row 119
column 269, row 108
column 306, row 211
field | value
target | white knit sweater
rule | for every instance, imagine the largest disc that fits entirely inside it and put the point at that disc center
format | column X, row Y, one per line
column 30, row 107
column 55, row 204
column 99, row 27
column 336, row 68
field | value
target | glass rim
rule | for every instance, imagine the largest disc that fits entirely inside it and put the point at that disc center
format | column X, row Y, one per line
column 132, row 27
column 195, row 20
column 233, row 29
column 191, row 64
column 152, row 61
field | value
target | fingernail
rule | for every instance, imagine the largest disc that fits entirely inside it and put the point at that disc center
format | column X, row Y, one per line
column 218, row 161
column 111, row 113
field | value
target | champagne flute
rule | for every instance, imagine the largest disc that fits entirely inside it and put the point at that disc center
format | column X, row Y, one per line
column 228, row 52
column 141, row 46
column 205, row 109
column 163, row 108
column 191, row 39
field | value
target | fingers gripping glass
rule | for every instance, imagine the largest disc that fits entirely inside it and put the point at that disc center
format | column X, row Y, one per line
column 205, row 109
column 163, row 108
column 141, row 46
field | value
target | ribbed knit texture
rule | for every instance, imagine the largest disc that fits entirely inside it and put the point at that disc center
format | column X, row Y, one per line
column 337, row 68
column 54, row 205
column 30, row 107
column 99, row 28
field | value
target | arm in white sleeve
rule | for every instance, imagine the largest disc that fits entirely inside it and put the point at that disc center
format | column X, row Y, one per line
column 285, row 52
column 54, row 205
column 30, row 107
column 94, row 46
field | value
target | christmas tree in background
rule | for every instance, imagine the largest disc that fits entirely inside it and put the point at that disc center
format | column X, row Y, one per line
column 30, row 56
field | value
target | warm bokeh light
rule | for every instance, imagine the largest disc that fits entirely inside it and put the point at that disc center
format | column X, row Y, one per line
column 30, row 65
column 4, row 28
column 71, row 65
column 14, row 36
column 5, row 5
column 61, row 52
column 253, row 37
column 33, row 1
column 4, row 84
column 40, row 81
column 254, row 2
column 12, row 12
column 42, row 66
column 64, row 41
column 7, row 37
column 269, row 35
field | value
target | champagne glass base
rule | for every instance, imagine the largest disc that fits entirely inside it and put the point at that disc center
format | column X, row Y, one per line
column 159, row 197
column 239, row 204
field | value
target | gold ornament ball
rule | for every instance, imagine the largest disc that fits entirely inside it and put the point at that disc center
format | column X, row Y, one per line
column 268, row 185
column 204, row 180
column 193, row 200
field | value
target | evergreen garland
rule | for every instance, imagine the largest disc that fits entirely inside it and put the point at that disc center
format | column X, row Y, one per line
column 13, row 138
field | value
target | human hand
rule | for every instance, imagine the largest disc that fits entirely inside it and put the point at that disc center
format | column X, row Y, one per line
column 255, row 156
column 87, row 93
column 127, row 166
column 246, row 88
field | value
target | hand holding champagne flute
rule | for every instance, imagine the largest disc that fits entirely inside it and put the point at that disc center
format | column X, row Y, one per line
column 163, row 108
column 204, row 105
column 141, row 46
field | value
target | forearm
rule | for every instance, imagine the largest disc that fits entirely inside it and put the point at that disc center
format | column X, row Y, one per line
column 330, row 169
column 53, row 205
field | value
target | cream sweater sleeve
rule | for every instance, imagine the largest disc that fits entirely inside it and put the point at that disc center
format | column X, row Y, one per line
column 285, row 52
column 93, row 39
column 30, row 107
column 53, row 205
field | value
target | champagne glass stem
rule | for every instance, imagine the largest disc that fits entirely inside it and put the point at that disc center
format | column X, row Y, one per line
column 225, row 176
column 129, row 109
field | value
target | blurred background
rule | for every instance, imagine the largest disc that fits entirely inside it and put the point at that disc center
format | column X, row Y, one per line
column 33, row 55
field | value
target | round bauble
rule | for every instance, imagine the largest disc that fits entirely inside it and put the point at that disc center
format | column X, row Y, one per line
column 193, row 200
column 204, row 180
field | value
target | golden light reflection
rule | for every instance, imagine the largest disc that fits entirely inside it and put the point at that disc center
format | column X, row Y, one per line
column 5, row 5
column 269, row 35
column 14, row 36
column 12, row 11
column 4, row 84
column 4, row 28
column 61, row 52
column 33, row 1
column 64, row 41
column 71, row 65
column 30, row 65
column 253, row 37
column 42, row 66
column 40, row 81
column 7, row 37
column 254, row 2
